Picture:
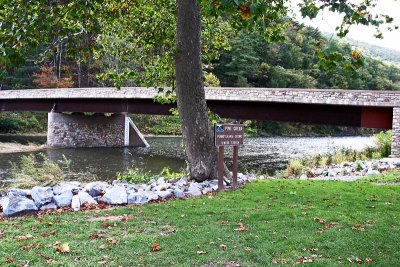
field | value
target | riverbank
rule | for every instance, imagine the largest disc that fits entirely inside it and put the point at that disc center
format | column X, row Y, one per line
column 7, row 148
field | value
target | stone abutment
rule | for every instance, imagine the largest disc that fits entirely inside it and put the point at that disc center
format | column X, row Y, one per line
column 79, row 130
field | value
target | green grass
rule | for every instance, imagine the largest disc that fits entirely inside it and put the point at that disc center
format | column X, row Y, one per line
column 389, row 177
column 354, row 220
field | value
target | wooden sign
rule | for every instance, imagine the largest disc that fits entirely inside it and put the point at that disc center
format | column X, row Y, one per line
column 229, row 134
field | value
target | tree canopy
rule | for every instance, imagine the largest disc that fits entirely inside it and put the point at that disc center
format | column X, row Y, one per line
column 54, row 28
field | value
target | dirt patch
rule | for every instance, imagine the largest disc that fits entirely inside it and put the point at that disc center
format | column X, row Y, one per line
column 110, row 218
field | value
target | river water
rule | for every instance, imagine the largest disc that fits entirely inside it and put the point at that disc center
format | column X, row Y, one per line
column 265, row 154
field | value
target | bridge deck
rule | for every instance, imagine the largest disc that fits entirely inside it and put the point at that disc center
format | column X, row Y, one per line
column 372, row 109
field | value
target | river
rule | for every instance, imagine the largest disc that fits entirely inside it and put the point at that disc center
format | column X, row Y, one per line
column 263, row 154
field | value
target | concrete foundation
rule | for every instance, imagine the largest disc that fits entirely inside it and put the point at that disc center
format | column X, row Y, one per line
column 78, row 130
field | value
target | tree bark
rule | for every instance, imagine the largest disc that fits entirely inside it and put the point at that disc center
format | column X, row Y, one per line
column 201, row 153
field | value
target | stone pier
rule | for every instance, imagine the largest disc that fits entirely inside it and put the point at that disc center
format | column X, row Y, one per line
column 396, row 132
column 79, row 130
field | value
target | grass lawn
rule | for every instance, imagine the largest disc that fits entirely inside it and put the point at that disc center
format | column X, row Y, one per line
column 389, row 177
column 266, row 223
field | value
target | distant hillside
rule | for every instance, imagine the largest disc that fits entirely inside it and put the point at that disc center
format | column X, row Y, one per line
column 375, row 51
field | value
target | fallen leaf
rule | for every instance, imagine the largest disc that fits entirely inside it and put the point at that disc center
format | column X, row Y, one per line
column 330, row 225
column 102, row 246
column 23, row 237
column 223, row 223
column 248, row 249
column 49, row 261
column 358, row 260
column 241, row 228
column 62, row 248
column 304, row 260
column 112, row 240
column 281, row 261
column 201, row 252
column 125, row 219
column 155, row 247
column 95, row 236
column 369, row 260
column 320, row 220
column 10, row 260
column 358, row 227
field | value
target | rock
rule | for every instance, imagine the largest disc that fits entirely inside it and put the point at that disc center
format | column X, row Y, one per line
column 19, row 192
column 66, row 187
column 165, row 194
column 178, row 193
column 137, row 198
column 182, row 182
column 227, row 181
column 303, row 177
column 75, row 203
column 42, row 195
column 317, row 171
column 115, row 196
column 206, row 190
column 151, row 196
column 161, row 180
column 174, row 181
column 1, row 201
column 144, row 187
column 86, row 198
column 96, row 189
column 372, row 172
column 131, row 187
column 16, row 205
column 121, row 183
column 50, row 206
column 162, row 187
column 194, row 190
column 63, row 200
column 242, row 177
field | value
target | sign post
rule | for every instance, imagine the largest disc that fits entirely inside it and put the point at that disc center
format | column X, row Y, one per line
column 228, row 135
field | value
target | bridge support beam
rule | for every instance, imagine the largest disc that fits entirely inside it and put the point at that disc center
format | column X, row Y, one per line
column 396, row 132
column 78, row 130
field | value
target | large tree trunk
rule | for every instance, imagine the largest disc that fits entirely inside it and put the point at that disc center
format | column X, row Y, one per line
column 197, row 135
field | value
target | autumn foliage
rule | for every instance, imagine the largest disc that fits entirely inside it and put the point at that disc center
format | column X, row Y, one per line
column 47, row 79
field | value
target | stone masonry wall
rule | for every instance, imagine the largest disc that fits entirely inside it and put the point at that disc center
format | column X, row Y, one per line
column 396, row 132
column 314, row 96
column 85, row 131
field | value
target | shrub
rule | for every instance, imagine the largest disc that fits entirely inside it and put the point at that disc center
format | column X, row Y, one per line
column 168, row 174
column 359, row 166
column 295, row 168
column 135, row 176
column 383, row 142
column 138, row 176
column 210, row 80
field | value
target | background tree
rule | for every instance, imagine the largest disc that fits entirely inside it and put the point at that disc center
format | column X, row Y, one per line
column 58, row 26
